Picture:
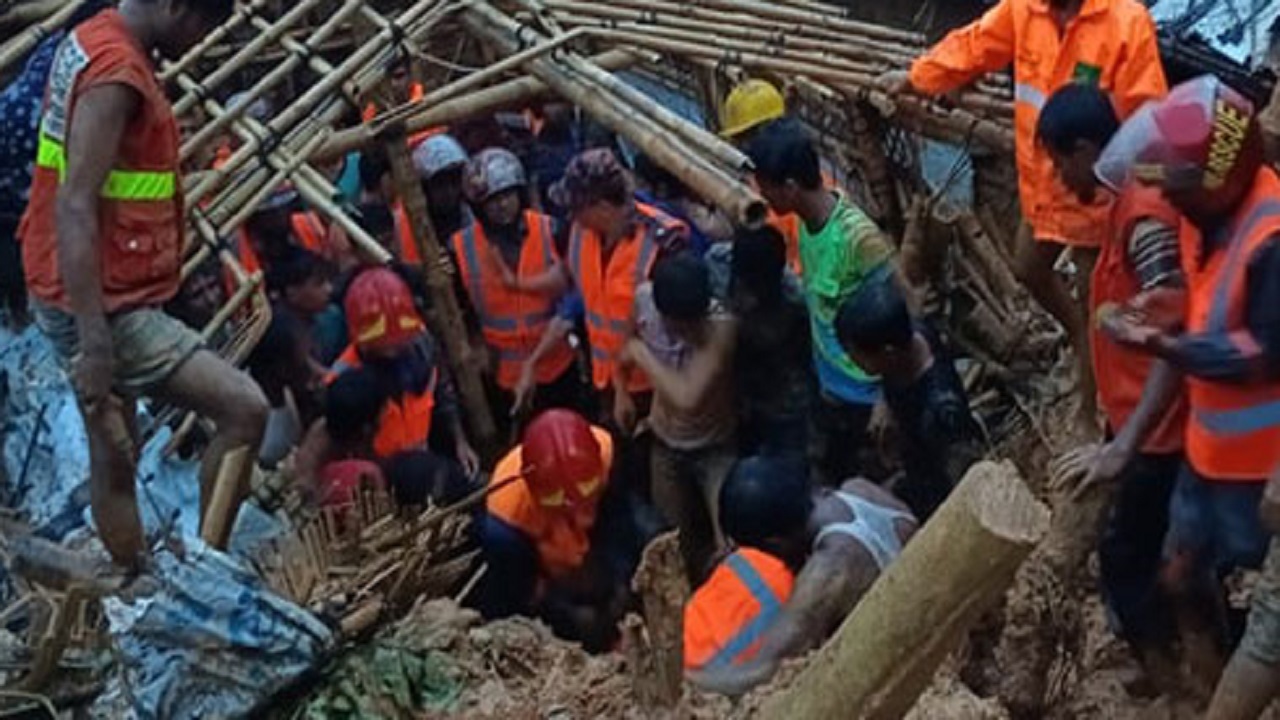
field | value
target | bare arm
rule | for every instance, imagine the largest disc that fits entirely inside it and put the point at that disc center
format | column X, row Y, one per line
column 101, row 116
column 554, row 282
column 825, row 592
column 1162, row 387
column 687, row 388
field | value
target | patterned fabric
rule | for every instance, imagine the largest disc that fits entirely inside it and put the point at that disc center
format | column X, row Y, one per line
column 592, row 174
column 20, row 104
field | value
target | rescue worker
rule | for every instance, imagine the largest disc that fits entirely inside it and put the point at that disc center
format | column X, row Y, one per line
column 1202, row 148
column 1107, row 43
column 1139, row 260
column 842, row 250
column 537, row 534
column 102, row 250
column 613, row 246
column 439, row 161
column 509, row 267
column 836, row 541
column 389, row 337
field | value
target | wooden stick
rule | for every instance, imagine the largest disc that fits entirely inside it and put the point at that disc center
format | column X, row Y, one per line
column 220, row 515
column 314, row 60
column 446, row 317
column 956, row 568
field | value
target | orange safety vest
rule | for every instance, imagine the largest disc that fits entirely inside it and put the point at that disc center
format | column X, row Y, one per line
column 513, row 322
column 140, row 210
column 1122, row 373
column 404, row 231
column 310, row 231
column 1110, row 43
column 609, row 290
column 727, row 617
column 561, row 544
column 1233, row 433
column 405, row 423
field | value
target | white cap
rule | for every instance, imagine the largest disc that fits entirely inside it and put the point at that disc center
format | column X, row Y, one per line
column 437, row 154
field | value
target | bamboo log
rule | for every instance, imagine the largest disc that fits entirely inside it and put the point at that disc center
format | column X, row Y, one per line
column 704, row 178
column 956, row 568
column 427, row 113
column 995, row 268
column 314, row 60
column 446, row 316
column 814, row 19
column 19, row 45
column 242, row 13
column 220, row 516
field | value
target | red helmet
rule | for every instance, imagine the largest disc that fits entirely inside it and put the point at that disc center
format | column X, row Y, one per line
column 1204, row 136
column 380, row 311
column 561, row 458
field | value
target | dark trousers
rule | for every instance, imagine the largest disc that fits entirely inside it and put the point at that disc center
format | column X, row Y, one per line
column 1131, row 551
column 13, row 284
column 566, row 391
column 838, row 442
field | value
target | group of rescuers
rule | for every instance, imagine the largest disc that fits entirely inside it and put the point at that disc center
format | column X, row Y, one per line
column 649, row 356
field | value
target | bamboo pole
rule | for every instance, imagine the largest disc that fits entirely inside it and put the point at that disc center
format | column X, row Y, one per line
column 704, row 178
column 314, row 61
column 278, row 74
column 811, row 18
column 19, row 45
column 956, row 568
column 427, row 113
column 247, row 52
column 193, row 54
column 446, row 316
column 698, row 136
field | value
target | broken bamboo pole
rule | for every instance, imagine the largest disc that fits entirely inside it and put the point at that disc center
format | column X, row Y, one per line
column 446, row 315
column 707, row 180
column 956, row 568
column 427, row 113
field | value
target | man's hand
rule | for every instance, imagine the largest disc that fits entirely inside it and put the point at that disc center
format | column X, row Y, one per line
column 894, row 82
column 467, row 458
column 92, row 368
column 624, row 411
column 526, row 388
column 627, row 355
column 1129, row 329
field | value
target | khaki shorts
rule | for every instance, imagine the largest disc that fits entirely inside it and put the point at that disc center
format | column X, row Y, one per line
column 149, row 345
column 1262, row 636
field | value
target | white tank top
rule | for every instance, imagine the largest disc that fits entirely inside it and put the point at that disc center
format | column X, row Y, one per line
column 872, row 526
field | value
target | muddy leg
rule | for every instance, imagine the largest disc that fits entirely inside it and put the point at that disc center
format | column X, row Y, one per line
column 215, row 389
column 113, row 482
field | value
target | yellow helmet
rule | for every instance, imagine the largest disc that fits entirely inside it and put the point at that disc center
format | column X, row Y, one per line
column 752, row 103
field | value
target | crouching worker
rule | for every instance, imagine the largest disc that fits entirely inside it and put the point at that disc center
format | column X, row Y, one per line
column 744, row 623
column 538, row 533
column 939, row 438
column 413, row 387
column 102, row 250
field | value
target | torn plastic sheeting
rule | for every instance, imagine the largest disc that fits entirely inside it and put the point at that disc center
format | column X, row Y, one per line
column 212, row 641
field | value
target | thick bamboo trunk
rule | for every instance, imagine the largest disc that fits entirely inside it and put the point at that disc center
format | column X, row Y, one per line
column 955, row 569
column 446, row 317
column 15, row 48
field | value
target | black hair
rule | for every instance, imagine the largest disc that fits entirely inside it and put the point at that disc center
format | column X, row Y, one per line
column 682, row 287
column 215, row 11
column 372, row 166
column 421, row 475
column 376, row 219
column 875, row 317
column 782, row 151
column 659, row 179
column 765, row 498
column 352, row 404
column 759, row 259
column 298, row 266
column 1077, row 112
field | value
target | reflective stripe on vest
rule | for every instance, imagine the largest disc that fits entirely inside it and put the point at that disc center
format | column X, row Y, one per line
column 1029, row 94
column 127, row 185
column 1266, row 414
column 770, row 608
column 471, row 256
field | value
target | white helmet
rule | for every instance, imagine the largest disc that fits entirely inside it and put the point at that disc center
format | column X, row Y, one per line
column 437, row 154
column 491, row 171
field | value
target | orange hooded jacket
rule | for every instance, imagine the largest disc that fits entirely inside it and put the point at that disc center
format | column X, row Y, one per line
column 1111, row 43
